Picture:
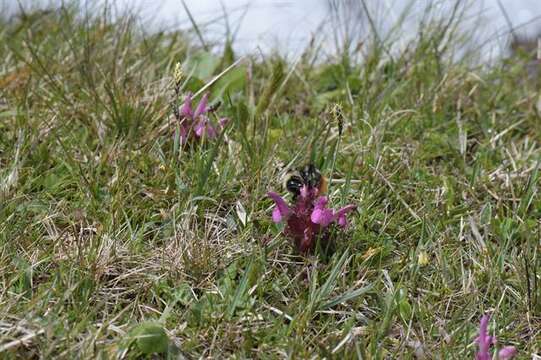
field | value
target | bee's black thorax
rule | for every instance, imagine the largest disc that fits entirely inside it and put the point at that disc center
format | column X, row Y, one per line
column 306, row 176
column 311, row 176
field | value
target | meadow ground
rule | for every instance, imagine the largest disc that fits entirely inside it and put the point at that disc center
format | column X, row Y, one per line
column 119, row 241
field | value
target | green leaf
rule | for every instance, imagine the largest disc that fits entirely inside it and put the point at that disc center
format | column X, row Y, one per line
column 486, row 214
column 404, row 306
column 8, row 113
column 330, row 78
column 150, row 338
column 193, row 84
column 240, row 292
column 319, row 295
column 350, row 295
column 203, row 65
column 330, row 284
column 231, row 82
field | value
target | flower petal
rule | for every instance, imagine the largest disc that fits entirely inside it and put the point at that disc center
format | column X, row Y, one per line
column 204, row 128
column 202, row 107
column 321, row 215
column 276, row 215
column 340, row 215
column 508, row 352
column 200, row 127
column 281, row 210
column 186, row 108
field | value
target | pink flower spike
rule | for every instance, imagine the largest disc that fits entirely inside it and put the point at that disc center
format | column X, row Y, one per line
column 508, row 352
column 186, row 109
column 281, row 210
column 321, row 215
column 484, row 341
column 202, row 107
column 308, row 218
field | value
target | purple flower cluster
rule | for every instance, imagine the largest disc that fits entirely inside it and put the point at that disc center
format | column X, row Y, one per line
column 308, row 218
column 195, row 124
column 485, row 341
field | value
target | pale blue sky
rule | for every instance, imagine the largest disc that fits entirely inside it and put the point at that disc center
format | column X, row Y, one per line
column 273, row 23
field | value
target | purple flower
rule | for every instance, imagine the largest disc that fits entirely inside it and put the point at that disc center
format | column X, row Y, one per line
column 308, row 218
column 507, row 352
column 321, row 215
column 281, row 210
column 195, row 124
column 485, row 341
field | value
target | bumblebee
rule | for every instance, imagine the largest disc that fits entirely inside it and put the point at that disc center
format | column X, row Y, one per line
column 308, row 176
